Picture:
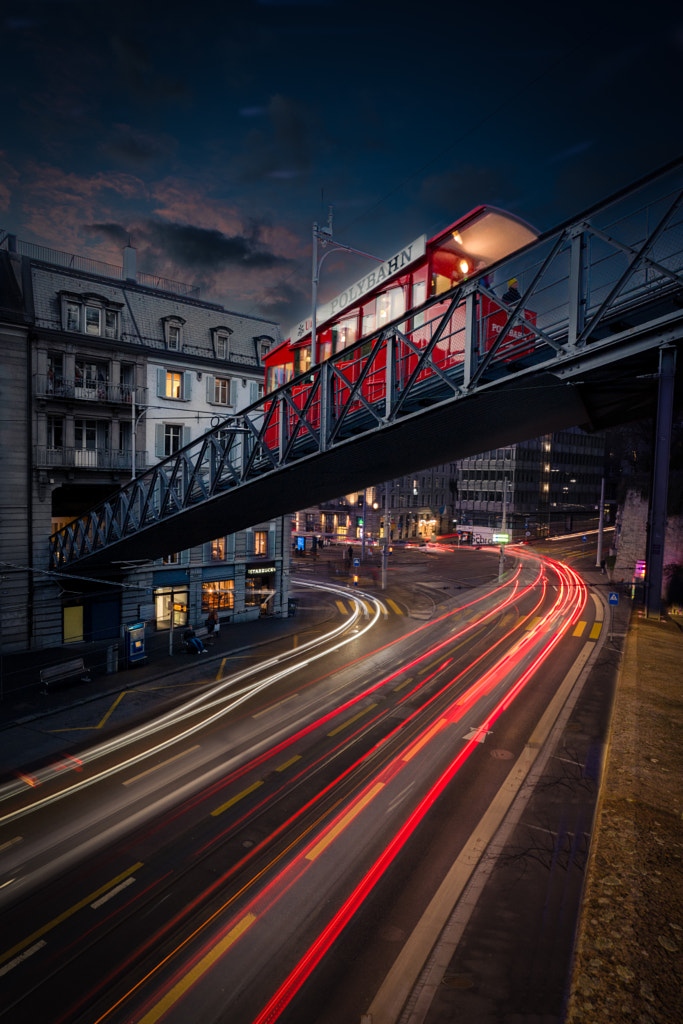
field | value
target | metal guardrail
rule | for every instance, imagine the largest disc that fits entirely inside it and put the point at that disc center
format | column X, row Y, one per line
column 578, row 283
column 53, row 386
column 101, row 269
column 88, row 458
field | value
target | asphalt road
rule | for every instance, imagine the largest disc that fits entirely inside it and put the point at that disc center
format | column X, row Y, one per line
column 282, row 837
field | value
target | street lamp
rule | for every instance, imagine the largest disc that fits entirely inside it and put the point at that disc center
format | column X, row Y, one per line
column 324, row 236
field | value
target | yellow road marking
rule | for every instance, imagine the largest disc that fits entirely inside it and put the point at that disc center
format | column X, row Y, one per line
column 534, row 622
column 404, row 683
column 595, row 631
column 394, row 607
column 236, row 799
column 220, row 670
column 437, row 727
column 68, row 913
column 341, row 607
column 355, row 718
column 347, row 819
column 288, row 764
column 199, row 969
column 580, row 627
column 162, row 764
column 85, row 728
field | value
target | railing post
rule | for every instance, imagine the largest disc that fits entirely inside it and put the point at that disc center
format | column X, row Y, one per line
column 654, row 571
column 577, row 278
column 324, row 383
column 471, row 337
column 390, row 345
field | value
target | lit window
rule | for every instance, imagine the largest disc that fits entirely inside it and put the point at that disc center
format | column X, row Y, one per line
column 218, row 550
column 218, row 595
column 174, row 384
column 260, row 542
column 173, row 559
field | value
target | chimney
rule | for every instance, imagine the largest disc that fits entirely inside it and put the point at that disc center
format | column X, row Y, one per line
column 129, row 270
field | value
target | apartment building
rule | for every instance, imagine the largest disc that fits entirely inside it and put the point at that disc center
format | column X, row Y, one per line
column 105, row 371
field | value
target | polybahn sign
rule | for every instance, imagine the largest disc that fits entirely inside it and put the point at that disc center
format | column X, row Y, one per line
column 605, row 290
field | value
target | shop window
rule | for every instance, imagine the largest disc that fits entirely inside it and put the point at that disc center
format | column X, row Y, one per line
column 171, row 601
column 218, row 596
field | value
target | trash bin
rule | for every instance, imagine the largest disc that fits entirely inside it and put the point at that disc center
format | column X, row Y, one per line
column 112, row 659
column 292, row 604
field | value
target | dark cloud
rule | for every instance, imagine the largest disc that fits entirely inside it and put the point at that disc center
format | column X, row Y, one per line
column 284, row 303
column 112, row 232
column 209, row 249
column 131, row 146
column 136, row 66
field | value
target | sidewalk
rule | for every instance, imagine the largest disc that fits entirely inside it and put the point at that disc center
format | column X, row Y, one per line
column 629, row 950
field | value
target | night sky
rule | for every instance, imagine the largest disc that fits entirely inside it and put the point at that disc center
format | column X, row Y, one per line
column 213, row 136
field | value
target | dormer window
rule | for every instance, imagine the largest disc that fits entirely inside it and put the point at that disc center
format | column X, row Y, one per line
column 263, row 344
column 90, row 314
column 221, row 342
column 173, row 332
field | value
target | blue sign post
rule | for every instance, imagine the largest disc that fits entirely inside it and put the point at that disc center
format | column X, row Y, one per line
column 613, row 597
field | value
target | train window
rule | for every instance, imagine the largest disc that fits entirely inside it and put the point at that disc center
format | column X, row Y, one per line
column 368, row 322
column 390, row 305
column 279, row 375
column 345, row 333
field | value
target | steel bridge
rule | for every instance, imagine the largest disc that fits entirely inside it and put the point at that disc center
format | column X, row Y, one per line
column 601, row 295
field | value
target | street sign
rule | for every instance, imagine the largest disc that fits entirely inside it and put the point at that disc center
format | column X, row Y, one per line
column 356, row 562
column 501, row 538
column 584, row 538
column 613, row 597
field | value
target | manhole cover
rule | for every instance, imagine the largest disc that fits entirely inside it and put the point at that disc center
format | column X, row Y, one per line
column 502, row 755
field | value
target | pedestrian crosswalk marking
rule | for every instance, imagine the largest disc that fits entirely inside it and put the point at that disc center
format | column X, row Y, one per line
column 595, row 631
column 534, row 622
column 341, row 606
column 580, row 627
column 394, row 607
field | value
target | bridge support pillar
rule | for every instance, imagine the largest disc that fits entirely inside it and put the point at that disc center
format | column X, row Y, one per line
column 660, row 483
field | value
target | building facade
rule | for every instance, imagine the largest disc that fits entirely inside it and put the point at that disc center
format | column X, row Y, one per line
column 105, row 372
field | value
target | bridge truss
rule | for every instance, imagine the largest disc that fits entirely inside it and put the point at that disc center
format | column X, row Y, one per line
column 599, row 296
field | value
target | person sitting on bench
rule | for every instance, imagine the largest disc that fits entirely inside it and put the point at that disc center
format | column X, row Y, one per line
column 193, row 643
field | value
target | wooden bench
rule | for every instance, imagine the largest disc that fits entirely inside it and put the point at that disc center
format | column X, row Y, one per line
column 73, row 671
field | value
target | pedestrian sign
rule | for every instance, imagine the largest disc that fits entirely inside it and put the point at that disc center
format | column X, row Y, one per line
column 613, row 597
column 356, row 562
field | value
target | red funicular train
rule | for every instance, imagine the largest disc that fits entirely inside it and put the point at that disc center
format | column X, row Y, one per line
column 391, row 292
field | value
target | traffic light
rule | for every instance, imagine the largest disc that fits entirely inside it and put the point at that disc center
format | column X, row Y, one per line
column 360, row 520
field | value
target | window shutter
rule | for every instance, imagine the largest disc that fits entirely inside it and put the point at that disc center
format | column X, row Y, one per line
column 161, row 383
column 185, row 557
column 233, row 392
column 210, row 386
column 159, row 440
column 253, row 392
column 187, row 386
column 186, row 436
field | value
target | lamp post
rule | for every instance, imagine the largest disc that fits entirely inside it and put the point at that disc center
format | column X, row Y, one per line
column 324, row 236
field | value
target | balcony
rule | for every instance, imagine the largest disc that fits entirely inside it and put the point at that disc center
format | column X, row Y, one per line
column 50, row 386
column 88, row 458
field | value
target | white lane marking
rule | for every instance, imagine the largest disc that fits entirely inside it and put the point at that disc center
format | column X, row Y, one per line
column 11, row 964
column 112, row 892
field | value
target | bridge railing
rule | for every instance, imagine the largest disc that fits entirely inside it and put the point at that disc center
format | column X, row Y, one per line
column 576, row 286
